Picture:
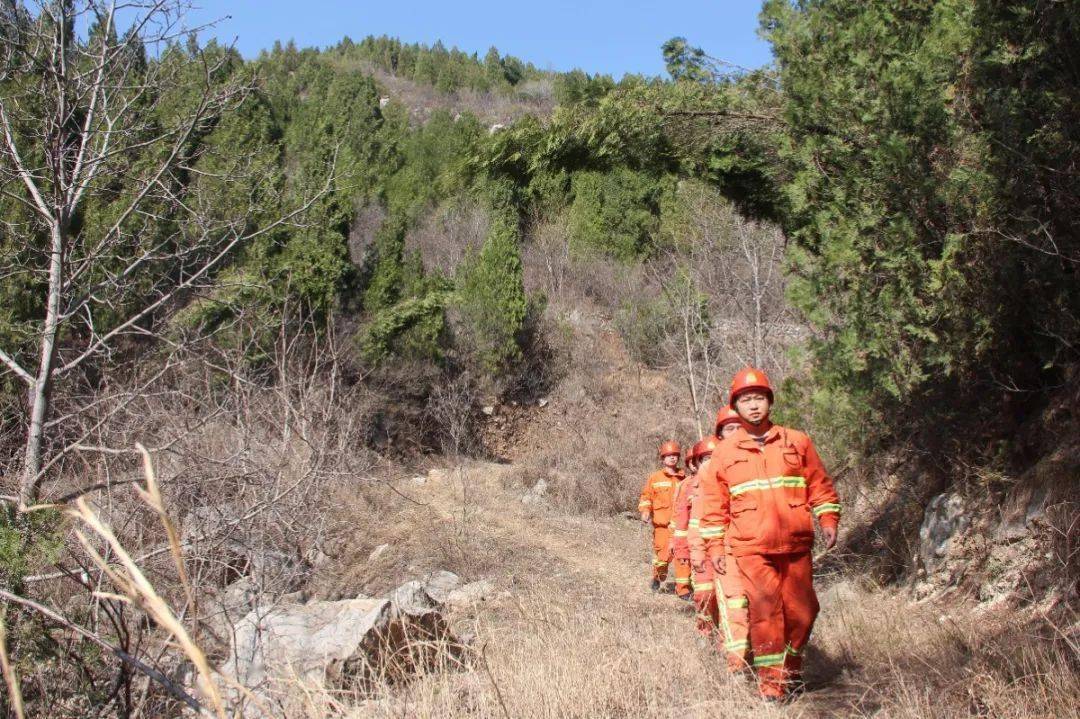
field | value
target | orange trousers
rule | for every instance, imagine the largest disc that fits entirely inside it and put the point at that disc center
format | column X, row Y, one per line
column 661, row 537
column 682, row 577
column 783, row 607
column 705, row 601
column 734, row 622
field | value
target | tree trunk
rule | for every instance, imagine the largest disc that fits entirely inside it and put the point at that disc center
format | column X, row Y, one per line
column 41, row 389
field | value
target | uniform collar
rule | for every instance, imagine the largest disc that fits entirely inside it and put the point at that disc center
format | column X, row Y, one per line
column 744, row 440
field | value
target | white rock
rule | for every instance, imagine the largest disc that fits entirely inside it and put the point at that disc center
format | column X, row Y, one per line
column 471, row 594
column 378, row 552
column 332, row 646
column 536, row 493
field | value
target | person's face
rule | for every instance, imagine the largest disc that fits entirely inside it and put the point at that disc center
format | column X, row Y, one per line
column 671, row 461
column 752, row 406
column 728, row 429
column 691, row 466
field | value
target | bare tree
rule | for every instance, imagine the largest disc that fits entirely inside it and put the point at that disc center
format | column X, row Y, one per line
column 723, row 284
column 88, row 121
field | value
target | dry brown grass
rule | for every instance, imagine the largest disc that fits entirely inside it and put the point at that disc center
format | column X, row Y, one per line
column 575, row 632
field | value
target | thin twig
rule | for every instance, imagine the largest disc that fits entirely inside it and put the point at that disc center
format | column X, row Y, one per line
column 120, row 654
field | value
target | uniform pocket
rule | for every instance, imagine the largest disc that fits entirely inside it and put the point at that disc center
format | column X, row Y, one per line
column 800, row 521
column 744, row 519
column 792, row 458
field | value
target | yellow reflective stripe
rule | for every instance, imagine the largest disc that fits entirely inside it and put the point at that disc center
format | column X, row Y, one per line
column 825, row 509
column 682, row 580
column 792, row 651
column 645, row 503
column 742, row 644
column 694, row 523
column 680, row 532
column 763, row 484
column 662, row 484
column 738, row 603
column 658, row 563
column 703, row 587
column 711, row 532
column 769, row 660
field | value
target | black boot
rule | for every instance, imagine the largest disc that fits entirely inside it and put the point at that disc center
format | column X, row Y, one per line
column 655, row 586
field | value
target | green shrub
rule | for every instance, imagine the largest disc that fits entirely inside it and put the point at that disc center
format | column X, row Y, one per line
column 615, row 212
column 491, row 297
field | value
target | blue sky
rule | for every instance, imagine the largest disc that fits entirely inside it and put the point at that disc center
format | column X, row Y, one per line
column 610, row 36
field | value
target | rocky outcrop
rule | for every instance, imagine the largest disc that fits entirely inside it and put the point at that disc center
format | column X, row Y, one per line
column 350, row 644
column 1004, row 546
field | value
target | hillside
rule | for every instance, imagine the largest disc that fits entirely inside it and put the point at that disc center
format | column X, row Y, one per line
column 283, row 340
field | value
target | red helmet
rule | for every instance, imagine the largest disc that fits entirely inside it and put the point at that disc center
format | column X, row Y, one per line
column 747, row 379
column 726, row 415
column 689, row 456
column 670, row 447
column 706, row 446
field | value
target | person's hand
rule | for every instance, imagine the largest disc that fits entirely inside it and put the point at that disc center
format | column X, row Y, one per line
column 719, row 564
column 829, row 535
column 646, row 517
column 698, row 567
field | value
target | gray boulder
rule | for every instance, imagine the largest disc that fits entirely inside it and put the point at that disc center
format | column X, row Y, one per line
column 339, row 645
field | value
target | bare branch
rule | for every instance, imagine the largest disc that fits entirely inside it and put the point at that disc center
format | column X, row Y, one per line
column 116, row 651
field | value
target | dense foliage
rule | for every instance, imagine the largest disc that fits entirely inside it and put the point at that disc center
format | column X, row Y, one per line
column 931, row 199
column 920, row 156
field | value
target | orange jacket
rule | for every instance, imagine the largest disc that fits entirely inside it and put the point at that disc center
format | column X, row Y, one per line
column 681, row 519
column 658, row 495
column 762, row 497
column 693, row 526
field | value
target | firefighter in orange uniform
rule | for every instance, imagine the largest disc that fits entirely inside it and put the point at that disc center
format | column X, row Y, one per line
column 729, row 598
column 728, row 606
column 758, row 499
column 655, row 505
column 701, row 573
column 680, row 550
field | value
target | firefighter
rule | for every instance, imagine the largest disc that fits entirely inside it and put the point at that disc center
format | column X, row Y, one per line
column 758, row 498
column 655, row 505
column 706, row 617
column 731, row 597
column 680, row 550
column 726, row 607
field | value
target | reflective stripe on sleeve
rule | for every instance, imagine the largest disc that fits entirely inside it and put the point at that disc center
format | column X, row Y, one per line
column 738, row 603
column 711, row 532
column 825, row 509
column 680, row 532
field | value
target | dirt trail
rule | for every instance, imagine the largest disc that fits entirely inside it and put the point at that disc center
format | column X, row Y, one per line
column 578, row 582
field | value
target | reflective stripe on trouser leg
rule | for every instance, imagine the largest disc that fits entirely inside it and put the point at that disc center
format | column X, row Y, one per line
column 682, row 577
column 705, row 600
column 661, row 552
column 705, row 617
column 800, row 609
column 733, row 616
column 761, row 578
